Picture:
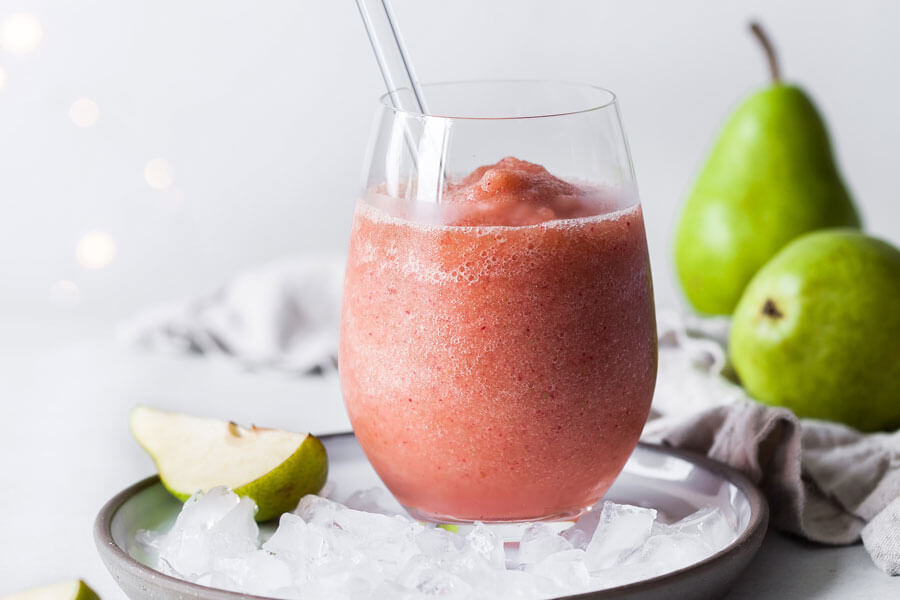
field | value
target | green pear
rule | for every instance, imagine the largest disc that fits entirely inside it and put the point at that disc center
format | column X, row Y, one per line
column 75, row 589
column 275, row 468
column 770, row 177
column 818, row 330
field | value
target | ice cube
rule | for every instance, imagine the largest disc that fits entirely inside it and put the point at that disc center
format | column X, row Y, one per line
column 513, row 583
column 289, row 537
column 216, row 579
column 344, row 584
column 373, row 500
column 622, row 575
column 203, row 510
column 540, row 541
column 621, row 530
column 357, row 587
column 258, row 572
column 709, row 524
column 327, row 513
column 236, row 532
column 329, row 550
column 665, row 553
column 579, row 534
column 328, row 490
column 487, row 544
column 147, row 546
column 436, row 542
column 565, row 569
column 217, row 523
column 148, row 540
column 373, row 525
column 288, row 593
column 392, row 589
column 426, row 576
column 316, row 509
column 303, row 547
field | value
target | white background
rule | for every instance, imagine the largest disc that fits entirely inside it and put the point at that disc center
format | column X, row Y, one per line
column 263, row 110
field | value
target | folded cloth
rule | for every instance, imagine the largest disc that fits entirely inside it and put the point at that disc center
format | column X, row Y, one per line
column 824, row 481
column 283, row 316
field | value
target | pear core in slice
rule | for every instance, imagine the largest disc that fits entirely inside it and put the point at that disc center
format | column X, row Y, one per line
column 66, row 590
column 275, row 468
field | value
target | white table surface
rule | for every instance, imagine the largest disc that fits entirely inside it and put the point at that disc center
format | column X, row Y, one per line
column 66, row 449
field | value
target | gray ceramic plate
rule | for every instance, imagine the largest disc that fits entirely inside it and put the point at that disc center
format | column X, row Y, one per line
column 675, row 483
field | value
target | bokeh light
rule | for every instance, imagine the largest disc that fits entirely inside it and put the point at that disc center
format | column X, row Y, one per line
column 21, row 33
column 95, row 250
column 65, row 293
column 84, row 112
column 159, row 173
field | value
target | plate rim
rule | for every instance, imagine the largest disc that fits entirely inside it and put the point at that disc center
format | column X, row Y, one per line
column 752, row 536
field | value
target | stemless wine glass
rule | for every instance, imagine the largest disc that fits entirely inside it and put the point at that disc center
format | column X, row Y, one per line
column 498, row 339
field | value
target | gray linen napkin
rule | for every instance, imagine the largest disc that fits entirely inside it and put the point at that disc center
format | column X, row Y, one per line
column 824, row 481
column 282, row 316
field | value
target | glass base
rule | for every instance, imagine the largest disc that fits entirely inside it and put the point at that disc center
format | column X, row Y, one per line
column 423, row 515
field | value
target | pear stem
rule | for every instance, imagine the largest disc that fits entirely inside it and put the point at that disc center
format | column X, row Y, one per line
column 769, row 49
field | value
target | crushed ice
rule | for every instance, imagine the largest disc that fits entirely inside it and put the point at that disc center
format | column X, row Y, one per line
column 364, row 549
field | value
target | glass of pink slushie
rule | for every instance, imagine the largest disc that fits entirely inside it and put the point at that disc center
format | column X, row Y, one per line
column 498, row 340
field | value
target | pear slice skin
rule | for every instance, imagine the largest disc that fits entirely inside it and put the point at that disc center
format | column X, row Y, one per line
column 75, row 589
column 274, row 468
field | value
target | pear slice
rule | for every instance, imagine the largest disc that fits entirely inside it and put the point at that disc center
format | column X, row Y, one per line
column 274, row 468
column 75, row 589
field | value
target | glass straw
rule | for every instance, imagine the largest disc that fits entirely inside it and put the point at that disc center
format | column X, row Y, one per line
column 393, row 61
column 397, row 71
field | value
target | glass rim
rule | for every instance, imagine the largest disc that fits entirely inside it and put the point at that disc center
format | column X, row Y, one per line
column 610, row 101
